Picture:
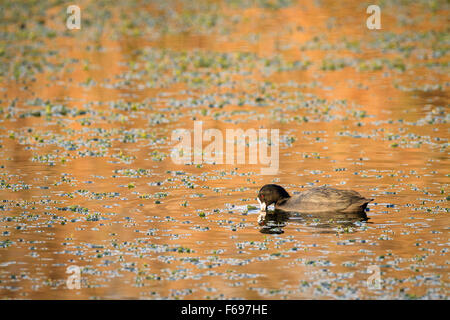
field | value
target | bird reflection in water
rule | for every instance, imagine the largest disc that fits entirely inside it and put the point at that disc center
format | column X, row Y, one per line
column 276, row 220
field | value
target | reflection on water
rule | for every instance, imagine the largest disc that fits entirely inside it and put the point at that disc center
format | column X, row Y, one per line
column 86, row 177
column 276, row 220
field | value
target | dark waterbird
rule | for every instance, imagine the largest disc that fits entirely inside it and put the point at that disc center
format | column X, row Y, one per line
column 321, row 201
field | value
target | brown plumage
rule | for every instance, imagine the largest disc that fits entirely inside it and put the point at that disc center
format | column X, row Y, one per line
column 321, row 200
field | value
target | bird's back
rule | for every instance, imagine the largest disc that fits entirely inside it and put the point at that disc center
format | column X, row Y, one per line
column 326, row 199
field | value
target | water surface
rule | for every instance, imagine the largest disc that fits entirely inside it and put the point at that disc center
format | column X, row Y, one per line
column 85, row 134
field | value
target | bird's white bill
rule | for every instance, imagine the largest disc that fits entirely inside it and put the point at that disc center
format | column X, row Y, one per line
column 262, row 205
column 261, row 218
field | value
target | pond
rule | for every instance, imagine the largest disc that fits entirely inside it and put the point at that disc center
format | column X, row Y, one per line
column 88, row 176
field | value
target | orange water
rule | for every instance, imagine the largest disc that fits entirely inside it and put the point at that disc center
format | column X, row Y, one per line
column 184, row 231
